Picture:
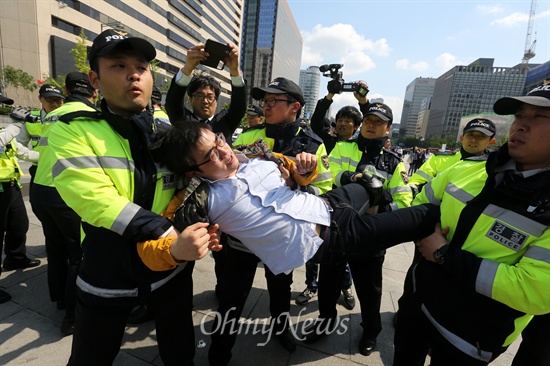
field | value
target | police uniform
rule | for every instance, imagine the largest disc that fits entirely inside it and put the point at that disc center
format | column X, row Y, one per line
column 61, row 225
column 348, row 158
column 475, row 303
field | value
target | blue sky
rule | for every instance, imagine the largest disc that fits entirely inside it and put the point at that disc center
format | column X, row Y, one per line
column 388, row 43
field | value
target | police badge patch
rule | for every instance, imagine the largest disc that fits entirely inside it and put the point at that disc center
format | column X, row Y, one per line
column 324, row 158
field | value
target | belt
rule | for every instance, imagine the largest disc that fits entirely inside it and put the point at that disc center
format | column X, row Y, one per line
column 11, row 182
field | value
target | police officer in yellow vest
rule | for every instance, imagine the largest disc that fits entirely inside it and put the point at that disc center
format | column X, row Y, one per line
column 14, row 222
column 477, row 135
column 61, row 225
column 349, row 160
column 106, row 174
column 486, row 270
column 51, row 97
column 156, row 103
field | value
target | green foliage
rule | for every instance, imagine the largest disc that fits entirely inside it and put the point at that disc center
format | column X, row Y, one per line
column 154, row 65
column 5, row 110
column 58, row 81
column 80, row 53
column 17, row 78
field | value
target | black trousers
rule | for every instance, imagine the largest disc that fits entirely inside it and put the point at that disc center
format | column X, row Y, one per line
column 14, row 222
column 367, row 280
column 240, row 269
column 100, row 324
column 353, row 236
column 61, row 226
column 534, row 349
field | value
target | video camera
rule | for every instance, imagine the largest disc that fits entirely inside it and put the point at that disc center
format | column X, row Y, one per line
column 338, row 84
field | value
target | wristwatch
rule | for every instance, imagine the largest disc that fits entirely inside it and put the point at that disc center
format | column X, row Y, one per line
column 439, row 254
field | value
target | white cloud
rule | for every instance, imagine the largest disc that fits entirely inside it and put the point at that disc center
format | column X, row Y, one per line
column 340, row 43
column 447, row 61
column 404, row 64
column 489, row 9
column 511, row 20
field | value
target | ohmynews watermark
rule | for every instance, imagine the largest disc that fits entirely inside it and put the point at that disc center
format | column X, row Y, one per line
column 228, row 324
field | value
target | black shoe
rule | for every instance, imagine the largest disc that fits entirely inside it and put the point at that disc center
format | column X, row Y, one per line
column 349, row 299
column 11, row 263
column 139, row 314
column 367, row 345
column 67, row 327
column 61, row 305
column 320, row 329
column 287, row 341
column 4, row 297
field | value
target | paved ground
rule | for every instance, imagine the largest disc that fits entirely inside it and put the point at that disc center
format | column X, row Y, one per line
column 29, row 324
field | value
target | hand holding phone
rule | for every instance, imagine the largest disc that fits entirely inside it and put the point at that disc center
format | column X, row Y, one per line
column 217, row 52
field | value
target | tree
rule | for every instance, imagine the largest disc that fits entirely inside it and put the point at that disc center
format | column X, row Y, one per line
column 17, row 78
column 80, row 53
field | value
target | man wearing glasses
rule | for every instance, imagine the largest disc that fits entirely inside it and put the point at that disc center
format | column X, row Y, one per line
column 282, row 101
column 203, row 92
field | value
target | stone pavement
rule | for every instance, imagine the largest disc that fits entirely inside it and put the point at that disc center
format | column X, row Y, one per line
column 29, row 323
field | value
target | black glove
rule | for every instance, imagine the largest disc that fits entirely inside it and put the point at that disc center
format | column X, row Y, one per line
column 334, row 86
column 375, row 188
column 189, row 214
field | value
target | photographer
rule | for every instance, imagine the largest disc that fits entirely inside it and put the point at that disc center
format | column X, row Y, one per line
column 14, row 222
column 348, row 119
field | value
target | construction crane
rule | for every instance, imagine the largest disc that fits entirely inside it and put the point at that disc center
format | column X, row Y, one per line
column 529, row 52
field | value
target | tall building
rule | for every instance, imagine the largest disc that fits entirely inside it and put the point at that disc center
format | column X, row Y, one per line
column 416, row 91
column 271, row 43
column 309, row 83
column 471, row 89
column 37, row 35
column 422, row 119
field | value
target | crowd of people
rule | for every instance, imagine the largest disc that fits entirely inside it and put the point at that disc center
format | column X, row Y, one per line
column 130, row 196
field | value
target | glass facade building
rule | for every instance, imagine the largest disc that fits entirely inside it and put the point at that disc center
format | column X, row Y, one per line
column 309, row 83
column 36, row 36
column 415, row 93
column 271, row 43
column 468, row 90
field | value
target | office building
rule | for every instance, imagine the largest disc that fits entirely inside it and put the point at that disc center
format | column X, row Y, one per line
column 422, row 118
column 468, row 90
column 37, row 35
column 416, row 91
column 271, row 43
column 309, row 83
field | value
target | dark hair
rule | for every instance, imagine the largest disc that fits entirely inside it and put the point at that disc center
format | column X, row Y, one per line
column 352, row 113
column 172, row 147
column 202, row 81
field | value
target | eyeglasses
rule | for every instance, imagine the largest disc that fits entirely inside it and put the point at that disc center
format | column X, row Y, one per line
column 51, row 100
column 214, row 154
column 209, row 97
column 272, row 101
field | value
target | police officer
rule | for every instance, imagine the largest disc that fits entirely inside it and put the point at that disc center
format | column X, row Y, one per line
column 349, row 160
column 254, row 116
column 282, row 101
column 486, row 269
column 14, row 222
column 156, row 102
column 50, row 97
column 61, row 225
column 477, row 135
column 106, row 174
